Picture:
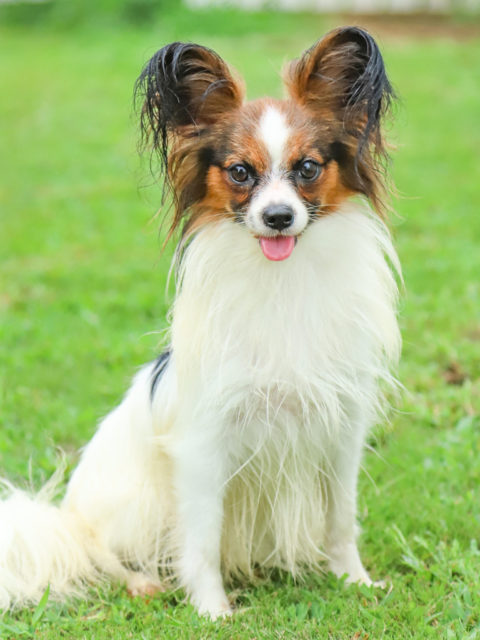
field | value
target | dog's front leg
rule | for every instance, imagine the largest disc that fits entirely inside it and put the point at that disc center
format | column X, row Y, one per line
column 200, row 473
column 341, row 530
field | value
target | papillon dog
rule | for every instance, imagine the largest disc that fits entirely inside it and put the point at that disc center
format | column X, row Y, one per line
column 238, row 449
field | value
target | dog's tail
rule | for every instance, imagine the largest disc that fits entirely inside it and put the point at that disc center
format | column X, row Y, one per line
column 41, row 545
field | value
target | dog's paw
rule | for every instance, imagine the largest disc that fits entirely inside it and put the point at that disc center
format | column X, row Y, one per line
column 357, row 577
column 382, row 584
column 214, row 607
column 138, row 584
column 354, row 571
column 362, row 577
column 344, row 560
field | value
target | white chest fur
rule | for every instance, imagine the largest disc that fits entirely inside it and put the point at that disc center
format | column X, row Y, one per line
column 308, row 326
column 279, row 363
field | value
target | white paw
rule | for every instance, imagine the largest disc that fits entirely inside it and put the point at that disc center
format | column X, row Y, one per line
column 382, row 584
column 359, row 576
column 138, row 584
column 214, row 607
column 363, row 578
column 344, row 559
column 354, row 571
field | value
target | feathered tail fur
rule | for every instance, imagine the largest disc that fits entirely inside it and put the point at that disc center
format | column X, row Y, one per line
column 41, row 544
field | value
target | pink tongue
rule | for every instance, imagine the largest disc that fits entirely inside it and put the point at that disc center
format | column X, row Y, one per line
column 277, row 248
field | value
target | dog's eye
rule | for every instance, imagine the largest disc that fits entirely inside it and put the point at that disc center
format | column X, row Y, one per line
column 239, row 173
column 309, row 170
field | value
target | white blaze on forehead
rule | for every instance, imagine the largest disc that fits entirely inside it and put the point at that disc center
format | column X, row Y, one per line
column 274, row 132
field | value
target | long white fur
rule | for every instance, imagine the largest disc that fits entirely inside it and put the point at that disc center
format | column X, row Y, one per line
column 249, row 452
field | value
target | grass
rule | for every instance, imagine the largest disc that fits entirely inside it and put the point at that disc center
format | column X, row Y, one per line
column 83, row 282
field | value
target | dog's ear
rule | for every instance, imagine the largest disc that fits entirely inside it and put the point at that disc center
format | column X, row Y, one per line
column 184, row 88
column 342, row 82
column 342, row 77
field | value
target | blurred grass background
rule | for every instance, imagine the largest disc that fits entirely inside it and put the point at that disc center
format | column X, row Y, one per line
column 82, row 299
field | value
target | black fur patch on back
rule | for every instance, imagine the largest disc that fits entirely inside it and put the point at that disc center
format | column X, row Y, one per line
column 160, row 365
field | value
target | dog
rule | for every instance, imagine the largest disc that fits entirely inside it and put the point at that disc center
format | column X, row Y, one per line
column 238, row 448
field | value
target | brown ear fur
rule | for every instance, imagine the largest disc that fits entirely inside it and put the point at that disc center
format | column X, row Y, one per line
column 342, row 80
column 186, row 89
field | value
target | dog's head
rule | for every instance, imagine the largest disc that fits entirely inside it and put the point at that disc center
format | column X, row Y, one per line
column 273, row 165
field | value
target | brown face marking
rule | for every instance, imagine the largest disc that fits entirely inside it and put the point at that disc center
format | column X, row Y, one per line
column 331, row 191
column 313, row 139
column 221, row 191
column 236, row 140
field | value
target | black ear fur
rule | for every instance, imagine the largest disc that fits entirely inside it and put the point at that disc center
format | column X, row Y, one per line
column 370, row 93
column 183, row 85
column 344, row 72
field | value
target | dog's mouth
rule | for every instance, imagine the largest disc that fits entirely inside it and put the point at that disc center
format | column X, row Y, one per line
column 278, row 247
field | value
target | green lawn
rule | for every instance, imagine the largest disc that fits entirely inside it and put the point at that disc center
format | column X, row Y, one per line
column 82, row 299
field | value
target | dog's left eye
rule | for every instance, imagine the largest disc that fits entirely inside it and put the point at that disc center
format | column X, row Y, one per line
column 239, row 173
column 309, row 170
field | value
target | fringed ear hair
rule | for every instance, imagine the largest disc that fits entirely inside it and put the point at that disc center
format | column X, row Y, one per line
column 185, row 89
column 342, row 78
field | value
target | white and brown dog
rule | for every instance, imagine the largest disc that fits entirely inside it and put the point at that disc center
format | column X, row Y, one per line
column 240, row 446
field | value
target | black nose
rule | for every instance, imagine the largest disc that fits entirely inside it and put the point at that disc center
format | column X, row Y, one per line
column 278, row 216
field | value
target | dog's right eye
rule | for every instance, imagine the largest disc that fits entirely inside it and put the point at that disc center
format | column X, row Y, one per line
column 239, row 173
